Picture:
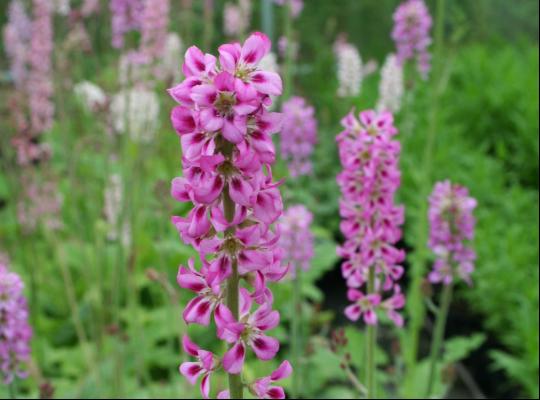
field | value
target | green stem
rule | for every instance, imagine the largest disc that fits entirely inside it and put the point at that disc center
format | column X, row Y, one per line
column 371, row 342
column 296, row 342
column 267, row 17
column 236, row 388
column 208, row 14
column 416, row 306
column 12, row 388
column 438, row 335
column 288, row 67
column 235, row 381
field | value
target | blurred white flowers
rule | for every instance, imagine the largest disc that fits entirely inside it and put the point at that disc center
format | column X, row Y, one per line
column 349, row 69
column 135, row 111
column 391, row 85
column 91, row 95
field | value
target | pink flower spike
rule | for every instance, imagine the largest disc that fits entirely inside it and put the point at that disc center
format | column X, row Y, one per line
column 225, row 133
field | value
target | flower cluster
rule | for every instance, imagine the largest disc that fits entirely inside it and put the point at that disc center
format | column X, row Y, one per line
column 349, row 69
column 296, row 237
column 91, row 95
column 451, row 227
column 371, row 221
column 40, row 203
column 40, row 78
column 236, row 18
column 135, row 112
column 225, row 132
column 15, row 332
column 126, row 16
column 391, row 85
column 412, row 23
column 299, row 135
column 16, row 41
column 155, row 25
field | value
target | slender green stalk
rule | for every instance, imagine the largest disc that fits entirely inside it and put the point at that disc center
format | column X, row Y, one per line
column 12, row 388
column 288, row 66
column 236, row 388
column 208, row 14
column 371, row 342
column 416, row 307
column 438, row 335
column 296, row 327
column 235, row 380
column 267, row 18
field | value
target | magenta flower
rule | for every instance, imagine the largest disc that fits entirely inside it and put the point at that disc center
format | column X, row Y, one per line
column 451, row 228
column 371, row 221
column 299, row 135
column 249, row 333
column 262, row 388
column 296, row 237
column 225, row 132
column 412, row 23
column 15, row 332
column 204, row 366
column 363, row 305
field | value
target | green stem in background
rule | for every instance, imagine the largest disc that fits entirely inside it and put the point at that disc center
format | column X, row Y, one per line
column 371, row 342
column 236, row 388
column 438, row 335
column 289, row 53
column 267, row 18
column 416, row 308
column 208, row 14
column 12, row 389
column 296, row 326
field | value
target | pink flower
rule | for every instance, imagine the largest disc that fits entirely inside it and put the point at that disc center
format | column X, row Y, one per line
column 296, row 237
column 40, row 84
column 225, row 132
column 412, row 23
column 154, row 28
column 371, row 221
column 363, row 305
column 263, row 388
column 127, row 15
column 249, row 333
column 451, row 228
column 17, row 35
column 299, row 135
column 15, row 332
column 199, row 310
column 204, row 366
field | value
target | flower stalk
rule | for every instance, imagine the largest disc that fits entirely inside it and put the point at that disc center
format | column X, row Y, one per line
column 371, row 343
column 438, row 335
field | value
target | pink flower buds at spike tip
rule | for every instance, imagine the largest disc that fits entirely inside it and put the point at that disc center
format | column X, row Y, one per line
column 15, row 333
column 371, row 221
column 225, row 131
column 299, row 135
column 451, row 227
column 412, row 23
